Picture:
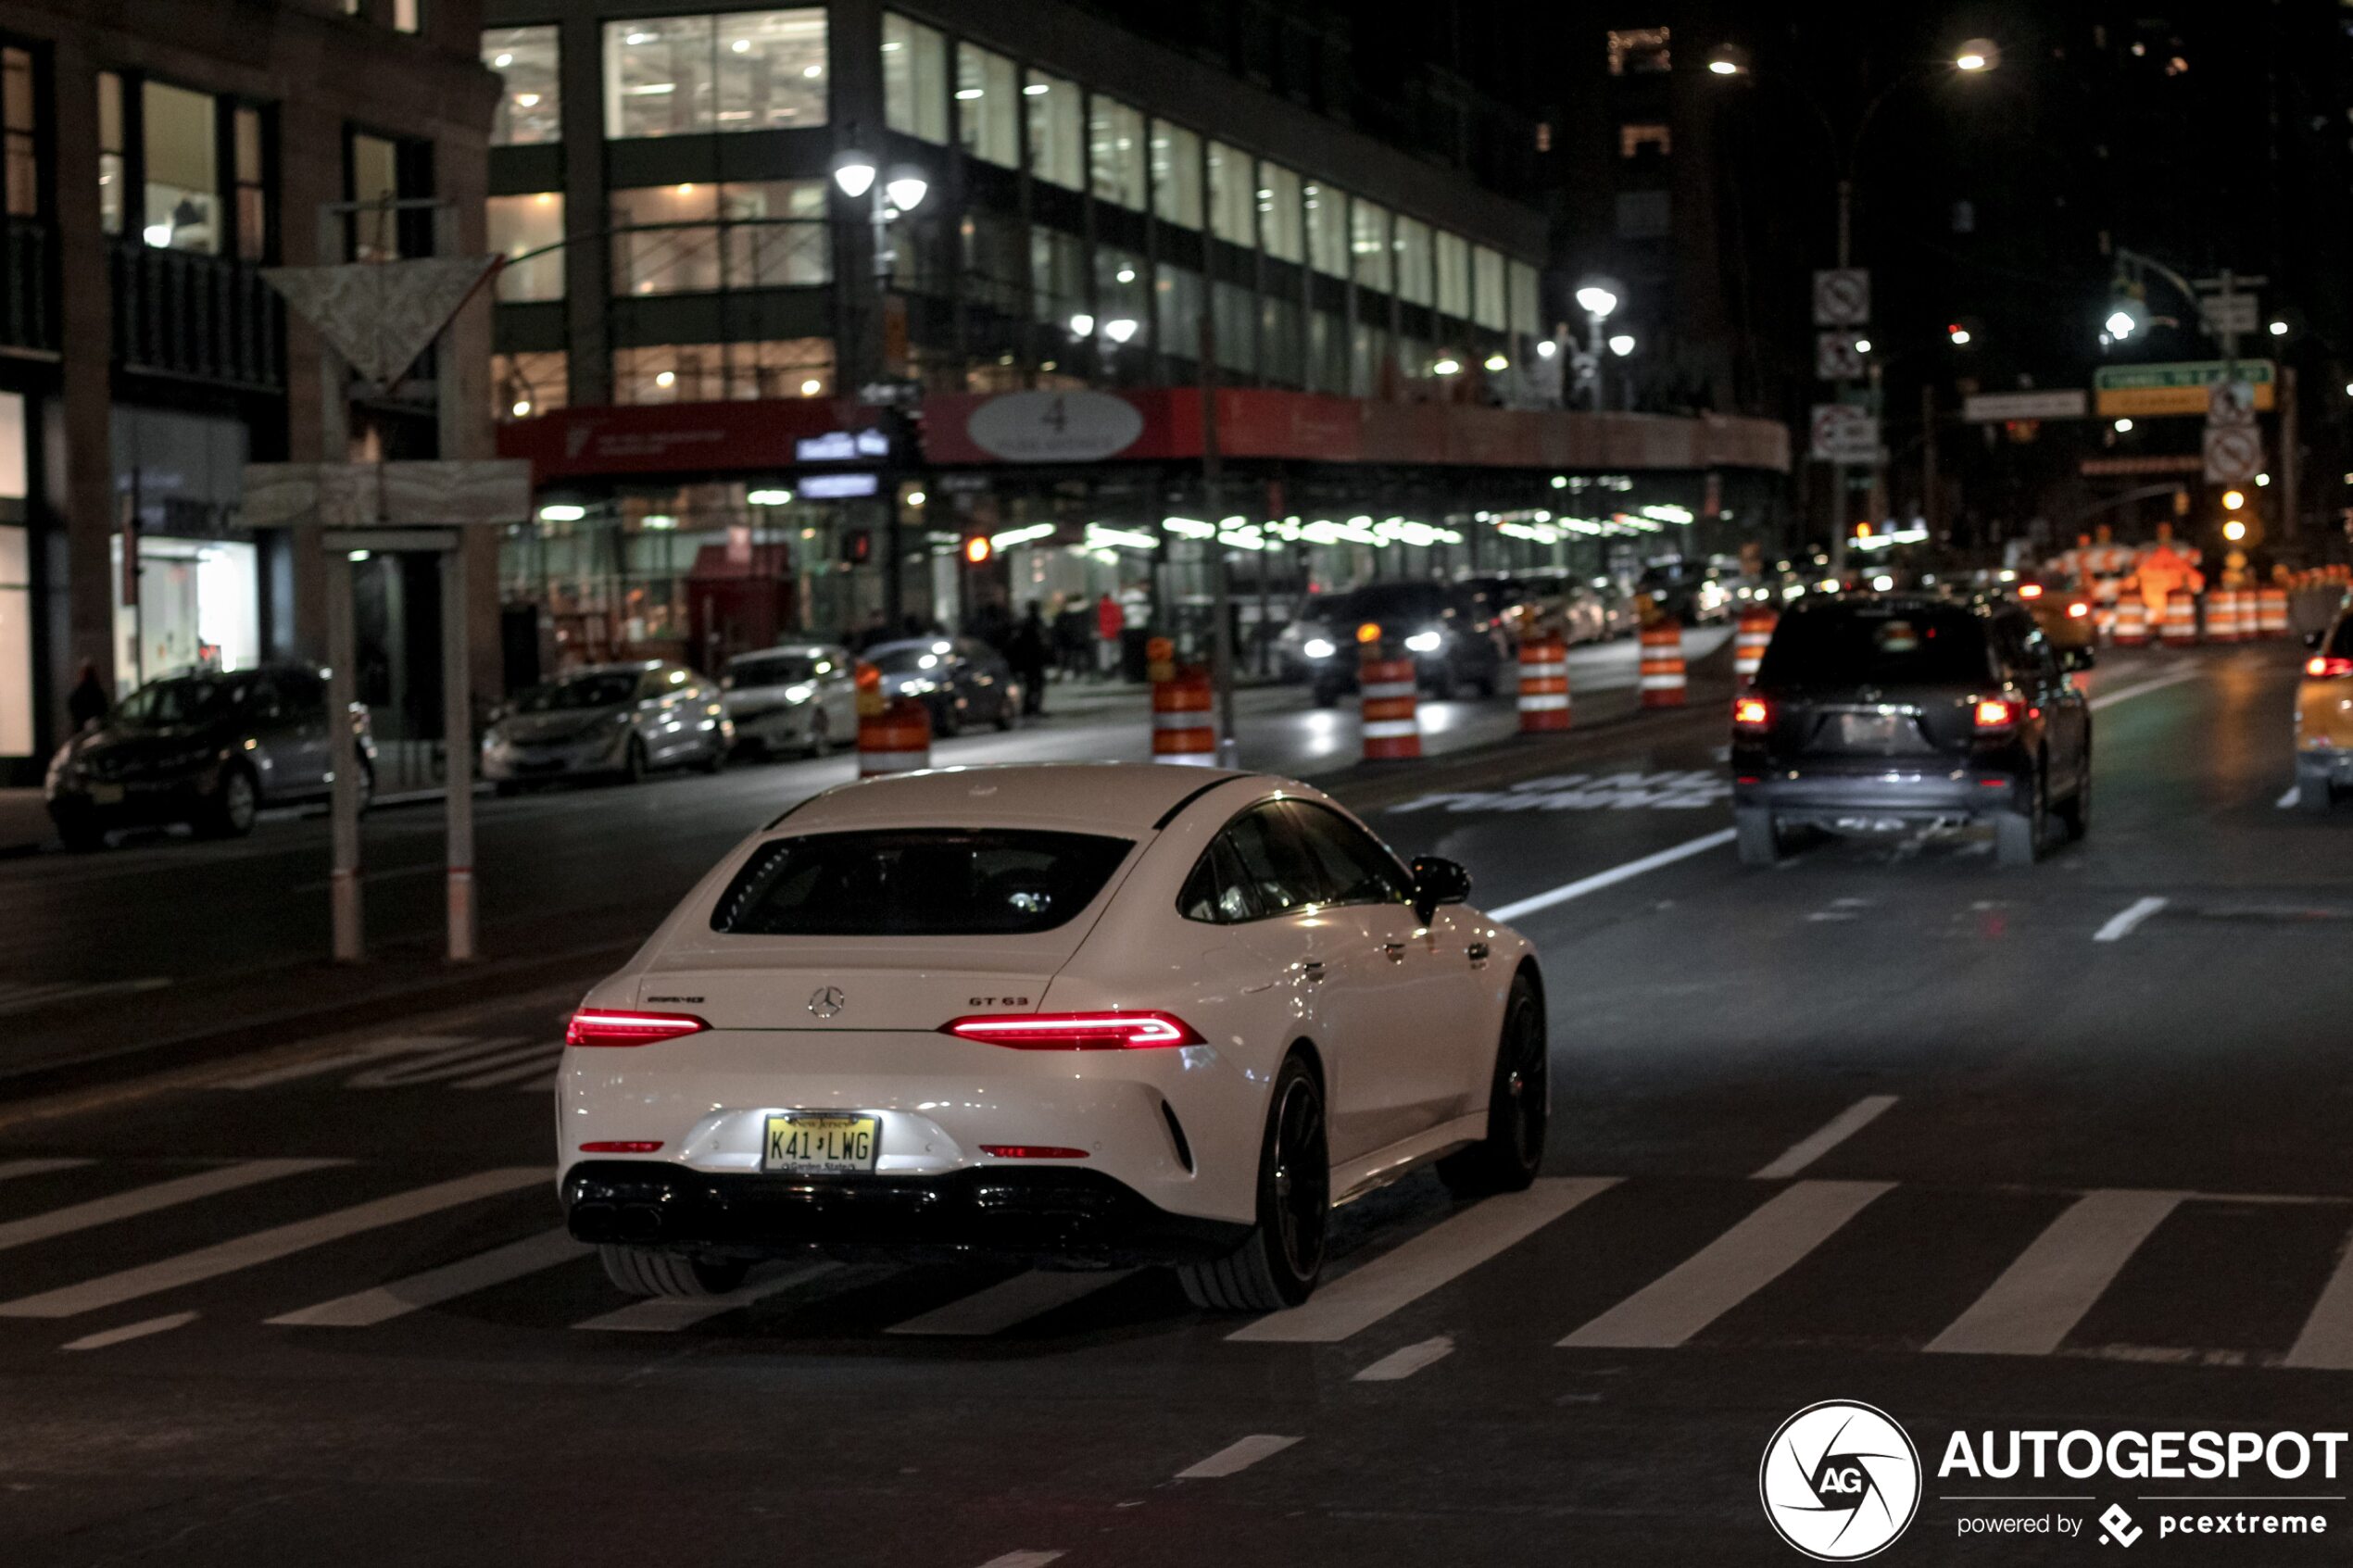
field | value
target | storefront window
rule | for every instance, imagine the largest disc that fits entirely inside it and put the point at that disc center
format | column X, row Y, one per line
column 1368, row 230
column 915, row 63
column 1327, row 230
column 708, row 372
column 1232, row 195
column 519, row 226
column 745, row 70
column 1278, row 212
column 1176, row 175
column 1115, row 152
column 1487, row 289
column 1453, row 275
column 523, row 387
column 1057, row 274
column 1412, row 245
column 531, row 98
column 1179, row 290
column 1057, row 152
column 183, row 209
column 698, row 237
column 988, row 119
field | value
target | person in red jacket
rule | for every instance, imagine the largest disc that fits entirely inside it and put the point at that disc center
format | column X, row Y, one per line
column 1110, row 622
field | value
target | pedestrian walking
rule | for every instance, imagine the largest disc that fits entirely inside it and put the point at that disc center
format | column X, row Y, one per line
column 1110, row 622
column 1027, row 650
column 88, row 704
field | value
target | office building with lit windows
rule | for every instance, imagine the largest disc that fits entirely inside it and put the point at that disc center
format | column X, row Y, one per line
column 742, row 424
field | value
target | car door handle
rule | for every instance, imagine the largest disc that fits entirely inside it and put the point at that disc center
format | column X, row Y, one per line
column 1476, row 953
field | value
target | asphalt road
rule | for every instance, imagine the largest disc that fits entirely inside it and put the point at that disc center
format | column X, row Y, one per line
column 1983, row 1149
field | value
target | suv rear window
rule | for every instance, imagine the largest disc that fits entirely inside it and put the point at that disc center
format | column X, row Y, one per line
column 917, row 881
column 1876, row 644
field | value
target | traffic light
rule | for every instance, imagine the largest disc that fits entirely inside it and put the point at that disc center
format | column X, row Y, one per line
column 977, row 550
column 2233, row 500
column 856, row 546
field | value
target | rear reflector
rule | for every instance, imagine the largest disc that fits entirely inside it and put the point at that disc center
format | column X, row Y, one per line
column 622, row 1145
column 1995, row 713
column 611, row 1026
column 1075, row 1030
column 1031, row 1151
column 2321, row 666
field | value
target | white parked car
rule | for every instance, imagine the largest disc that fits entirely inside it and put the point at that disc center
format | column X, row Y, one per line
column 797, row 697
column 1097, row 1013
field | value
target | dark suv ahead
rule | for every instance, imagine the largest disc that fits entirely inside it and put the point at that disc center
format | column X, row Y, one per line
column 1882, row 712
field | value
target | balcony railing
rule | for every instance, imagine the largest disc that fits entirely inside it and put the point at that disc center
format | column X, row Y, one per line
column 28, row 285
column 206, row 318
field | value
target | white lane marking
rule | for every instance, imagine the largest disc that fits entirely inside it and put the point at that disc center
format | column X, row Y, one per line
column 1404, row 1275
column 39, row 1167
column 2294, row 797
column 1236, row 1457
column 1730, row 1269
column 544, row 1083
column 538, row 1065
column 365, row 1309
column 473, row 1056
column 2122, row 923
column 147, row 1199
column 24, row 998
column 263, row 1247
column 1407, row 1361
column 668, row 1314
column 1613, row 877
column 129, row 1331
column 2126, row 694
column 1025, row 1295
column 2049, row 1287
column 1832, row 1133
column 2327, row 1337
column 403, row 1045
column 1022, row 1560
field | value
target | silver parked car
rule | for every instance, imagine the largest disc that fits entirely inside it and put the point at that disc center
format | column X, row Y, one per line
column 796, row 697
column 619, row 721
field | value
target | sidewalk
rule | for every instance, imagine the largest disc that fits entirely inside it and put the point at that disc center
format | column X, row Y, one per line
column 24, row 822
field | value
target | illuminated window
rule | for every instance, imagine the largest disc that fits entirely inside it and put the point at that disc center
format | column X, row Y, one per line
column 22, row 154
column 1176, row 175
column 709, row 372
column 1637, row 50
column 1115, row 152
column 1232, row 195
column 1369, row 238
column 700, row 237
column 1487, row 306
column 1327, row 230
column 253, row 189
column 523, row 387
column 182, row 208
column 1279, row 214
column 531, row 97
column 915, row 78
column 1057, row 149
column 1412, row 245
column 1640, row 141
column 745, row 70
column 988, row 118
column 519, row 226
column 1453, row 274
column 110, row 164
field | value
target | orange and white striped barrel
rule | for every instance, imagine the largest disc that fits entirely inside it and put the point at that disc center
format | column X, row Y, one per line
column 2180, row 626
column 1755, row 631
column 1390, row 715
column 2131, row 623
column 1664, row 682
column 1544, row 683
column 2223, row 615
column 894, row 733
column 1183, row 728
column 2271, row 613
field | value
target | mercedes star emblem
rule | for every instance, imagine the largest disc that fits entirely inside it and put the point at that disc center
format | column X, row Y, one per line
column 827, row 1000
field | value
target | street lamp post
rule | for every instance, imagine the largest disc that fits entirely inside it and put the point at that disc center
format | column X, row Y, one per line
column 1598, row 299
column 888, row 198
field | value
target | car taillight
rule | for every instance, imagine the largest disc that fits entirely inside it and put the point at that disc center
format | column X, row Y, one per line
column 1751, row 713
column 1031, row 1151
column 613, row 1026
column 622, row 1145
column 1075, row 1030
column 2325, row 667
column 2029, row 590
column 2077, row 609
column 1995, row 713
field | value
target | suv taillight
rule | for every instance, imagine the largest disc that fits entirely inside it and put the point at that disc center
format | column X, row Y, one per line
column 1753, row 714
column 1996, row 713
column 616, row 1026
column 2327, row 666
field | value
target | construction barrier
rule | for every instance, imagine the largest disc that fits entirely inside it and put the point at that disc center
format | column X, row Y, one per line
column 1544, row 684
column 2223, row 616
column 1755, row 631
column 2271, row 613
column 2180, row 626
column 894, row 733
column 2131, row 623
column 1390, row 712
column 1664, row 682
column 1183, row 729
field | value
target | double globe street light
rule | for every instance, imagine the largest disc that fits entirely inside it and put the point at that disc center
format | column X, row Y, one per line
column 901, row 193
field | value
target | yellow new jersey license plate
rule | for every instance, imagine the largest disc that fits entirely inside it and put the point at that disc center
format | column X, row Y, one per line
column 821, row 1141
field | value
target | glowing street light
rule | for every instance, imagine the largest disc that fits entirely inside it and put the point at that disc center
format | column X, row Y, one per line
column 855, row 173
column 1119, row 328
column 1622, row 344
column 1596, row 300
column 1978, row 54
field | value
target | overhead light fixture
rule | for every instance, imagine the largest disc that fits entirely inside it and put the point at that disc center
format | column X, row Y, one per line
column 1119, row 328
column 854, row 173
column 906, row 188
column 1622, row 344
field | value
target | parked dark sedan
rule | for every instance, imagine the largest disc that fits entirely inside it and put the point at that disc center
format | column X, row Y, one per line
column 1887, row 711
column 961, row 680
column 205, row 747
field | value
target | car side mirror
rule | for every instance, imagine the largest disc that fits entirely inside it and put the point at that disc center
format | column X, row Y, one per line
column 1438, row 881
column 2077, row 659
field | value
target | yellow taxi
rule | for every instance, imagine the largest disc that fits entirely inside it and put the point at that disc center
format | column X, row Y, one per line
column 2324, row 716
column 2061, row 609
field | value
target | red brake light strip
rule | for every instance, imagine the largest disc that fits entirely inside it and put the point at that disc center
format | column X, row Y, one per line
column 1108, row 1031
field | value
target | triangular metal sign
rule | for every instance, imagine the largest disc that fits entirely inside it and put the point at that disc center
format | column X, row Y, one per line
column 380, row 315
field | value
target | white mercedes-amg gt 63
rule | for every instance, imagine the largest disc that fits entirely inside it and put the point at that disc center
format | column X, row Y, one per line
column 1089, row 1015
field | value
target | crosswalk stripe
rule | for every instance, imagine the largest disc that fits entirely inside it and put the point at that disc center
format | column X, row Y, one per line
column 1403, row 1363
column 1404, row 1275
column 2326, row 1339
column 2049, row 1287
column 471, row 1056
column 262, row 1246
column 1029, row 1294
column 24, row 998
column 147, row 1199
column 537, row 1064
column 366, row 1309
column 39, row 1167
column 1022, row 1560
column 1236, row 1457
column 1836, row 1131
column 668, row 1314
column 1730, row 1269
column 406, row 1044
column 129, row 1332
column 543, row 1085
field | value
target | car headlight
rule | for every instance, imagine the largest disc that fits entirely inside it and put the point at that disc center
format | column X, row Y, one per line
column 1425, row 642
column 800, row 693
column 1319, row 647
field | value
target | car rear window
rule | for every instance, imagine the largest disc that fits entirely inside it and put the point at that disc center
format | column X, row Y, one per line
column 2341, row 640
column 1894, row 644
column 918, row 882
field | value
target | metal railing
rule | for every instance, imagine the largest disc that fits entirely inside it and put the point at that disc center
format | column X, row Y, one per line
column 28, row 285
column 184, row 313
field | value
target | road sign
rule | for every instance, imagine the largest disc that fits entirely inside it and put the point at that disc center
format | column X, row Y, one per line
column 2001, row 407
column 2230, row 403
column 2233, row 454
column 1835, row 356
column 2229, row 313
column 1845, row 433
column 2141, row 391
column 1841, row 297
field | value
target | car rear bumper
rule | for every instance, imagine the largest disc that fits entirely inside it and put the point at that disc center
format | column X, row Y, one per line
column 2326, row 764
column 1887, row 797
column 1030, row 1210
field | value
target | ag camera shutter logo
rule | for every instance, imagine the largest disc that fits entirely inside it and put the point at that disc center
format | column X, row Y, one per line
column 1840, row 1481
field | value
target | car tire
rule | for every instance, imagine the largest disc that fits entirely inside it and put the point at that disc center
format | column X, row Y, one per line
column 1278, row 1265
column 2075, row 817
column 1519, row 1105
column 2313, row 791
column 649, row 1271
column 1759, row 840
column 229, row 810
column 82, row 832
column 2019, row 836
